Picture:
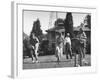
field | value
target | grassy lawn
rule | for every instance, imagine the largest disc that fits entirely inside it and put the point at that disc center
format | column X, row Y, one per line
column 51, row 62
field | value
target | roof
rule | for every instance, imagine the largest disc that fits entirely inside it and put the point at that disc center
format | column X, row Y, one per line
column 84, row 29
column 62, row 29
column 56, row 29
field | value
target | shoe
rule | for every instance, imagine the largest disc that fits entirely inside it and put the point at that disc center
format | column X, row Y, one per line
column 83, row 60
column 86, row 63
column 77, row 65
column 37, row 61
column 33, row 61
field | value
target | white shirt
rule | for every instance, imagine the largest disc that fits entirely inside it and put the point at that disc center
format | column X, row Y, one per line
column 67, row 40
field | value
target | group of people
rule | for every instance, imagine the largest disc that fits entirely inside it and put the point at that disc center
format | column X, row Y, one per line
column 63, row 45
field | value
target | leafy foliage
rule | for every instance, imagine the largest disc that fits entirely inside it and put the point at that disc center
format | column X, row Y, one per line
column 68, row 24
column 37, row 28
column 88, row 21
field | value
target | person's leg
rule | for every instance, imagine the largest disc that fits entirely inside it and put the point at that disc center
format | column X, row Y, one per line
column 84, row 54
column 32, row 54
column 57, row 53
column 62, row 49
column 70, row 51
column 61, row 52
column 84, row 49
column 36, row 51
column 80, row 56
column 66, row 50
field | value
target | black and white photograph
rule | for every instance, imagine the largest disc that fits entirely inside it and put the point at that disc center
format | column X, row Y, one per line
column 54, row 39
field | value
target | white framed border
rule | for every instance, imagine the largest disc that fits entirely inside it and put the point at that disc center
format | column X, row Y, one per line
column 17, row 28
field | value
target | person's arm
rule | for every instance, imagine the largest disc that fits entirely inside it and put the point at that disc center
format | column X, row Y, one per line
column 78, row 35
column 85, row 37
column 64, row 41
column 37, row 40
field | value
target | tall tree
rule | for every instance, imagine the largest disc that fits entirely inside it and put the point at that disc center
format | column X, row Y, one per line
column 68, row 24
column 37, row 28
column 88, row 21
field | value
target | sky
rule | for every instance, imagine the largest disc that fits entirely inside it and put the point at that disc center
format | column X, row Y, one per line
column 47, row 19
